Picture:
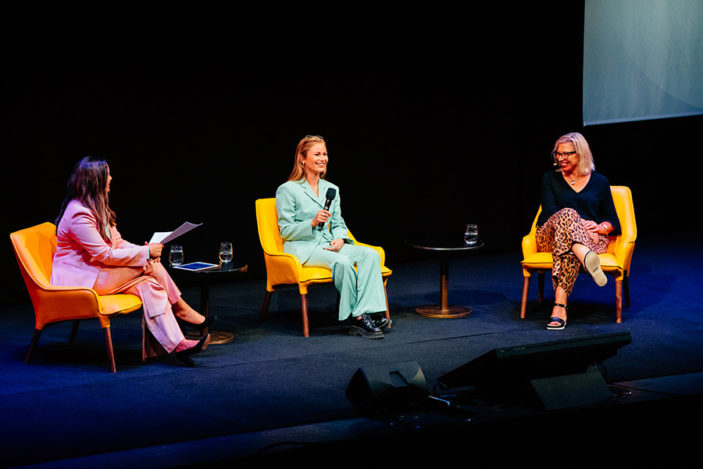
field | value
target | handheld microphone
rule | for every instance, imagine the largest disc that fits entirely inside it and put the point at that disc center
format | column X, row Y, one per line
column 331, row 193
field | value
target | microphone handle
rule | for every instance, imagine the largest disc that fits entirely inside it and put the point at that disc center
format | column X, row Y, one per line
column 328, row 202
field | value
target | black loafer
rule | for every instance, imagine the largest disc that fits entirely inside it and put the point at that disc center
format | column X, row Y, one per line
column 381, row 321
column 365, row 327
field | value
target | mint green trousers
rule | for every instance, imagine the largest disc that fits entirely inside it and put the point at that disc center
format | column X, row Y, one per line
column 361, row 289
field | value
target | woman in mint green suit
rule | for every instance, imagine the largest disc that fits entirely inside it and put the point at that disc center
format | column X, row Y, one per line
column 300, row 203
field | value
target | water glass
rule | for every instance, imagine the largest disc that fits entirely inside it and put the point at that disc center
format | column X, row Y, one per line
column 175, row 254
column 471, row 235
column 226, row 253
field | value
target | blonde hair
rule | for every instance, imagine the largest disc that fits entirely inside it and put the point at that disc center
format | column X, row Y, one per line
column 585, row 164
column 304, row 145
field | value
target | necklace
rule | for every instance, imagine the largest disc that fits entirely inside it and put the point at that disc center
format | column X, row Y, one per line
column 573, row 181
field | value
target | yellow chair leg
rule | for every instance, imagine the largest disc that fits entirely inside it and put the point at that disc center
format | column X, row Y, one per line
column 618, row 301
column 304, row 307
column 265, row 305
column 525, row 289
column 32, row 345
column 388, row 309
column 110, row 350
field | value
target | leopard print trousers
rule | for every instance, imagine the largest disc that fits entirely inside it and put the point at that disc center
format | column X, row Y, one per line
column 557, row 235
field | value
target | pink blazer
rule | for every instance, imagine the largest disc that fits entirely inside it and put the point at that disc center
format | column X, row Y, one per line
column 81, row 251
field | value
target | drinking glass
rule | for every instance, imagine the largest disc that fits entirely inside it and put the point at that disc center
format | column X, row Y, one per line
column 471, row 235
column 175, row 254
column 226, row 253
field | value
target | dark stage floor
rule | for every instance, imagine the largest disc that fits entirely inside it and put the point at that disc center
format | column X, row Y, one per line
column 272, row 396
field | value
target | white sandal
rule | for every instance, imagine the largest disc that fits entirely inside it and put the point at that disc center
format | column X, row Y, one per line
column 592, row 264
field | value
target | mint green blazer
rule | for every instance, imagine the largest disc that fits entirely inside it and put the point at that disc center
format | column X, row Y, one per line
column 297, row 205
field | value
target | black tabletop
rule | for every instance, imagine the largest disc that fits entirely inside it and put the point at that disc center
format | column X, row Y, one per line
column 444, row 245
column 219, row 270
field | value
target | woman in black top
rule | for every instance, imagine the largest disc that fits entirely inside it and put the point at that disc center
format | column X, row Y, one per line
column 577, row 217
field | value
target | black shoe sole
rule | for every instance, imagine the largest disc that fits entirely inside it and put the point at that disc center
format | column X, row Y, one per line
column 356, row 330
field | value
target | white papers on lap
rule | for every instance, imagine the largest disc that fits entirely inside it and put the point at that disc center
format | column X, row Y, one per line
column 164, row 237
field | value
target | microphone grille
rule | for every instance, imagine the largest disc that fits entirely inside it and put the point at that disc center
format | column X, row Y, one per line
column 331, row 193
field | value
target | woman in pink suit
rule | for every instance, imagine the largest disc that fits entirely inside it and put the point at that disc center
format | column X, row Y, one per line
column 91, row 253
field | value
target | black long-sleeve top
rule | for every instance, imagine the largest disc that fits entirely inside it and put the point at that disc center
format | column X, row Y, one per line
column 594, row 202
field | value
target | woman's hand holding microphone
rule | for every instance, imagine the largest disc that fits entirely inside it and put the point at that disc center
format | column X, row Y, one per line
column 321, row 217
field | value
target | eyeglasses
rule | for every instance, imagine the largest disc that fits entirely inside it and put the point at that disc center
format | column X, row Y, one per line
column 318, row 137
column 559, row 155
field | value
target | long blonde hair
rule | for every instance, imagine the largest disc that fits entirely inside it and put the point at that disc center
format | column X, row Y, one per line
column 585, row 164
column 304, row 145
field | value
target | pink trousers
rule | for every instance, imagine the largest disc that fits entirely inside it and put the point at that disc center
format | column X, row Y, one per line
column 157, row 290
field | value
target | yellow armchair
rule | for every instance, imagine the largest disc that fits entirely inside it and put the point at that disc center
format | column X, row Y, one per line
column 285, row 269
column 34, row 249
column 616, row 261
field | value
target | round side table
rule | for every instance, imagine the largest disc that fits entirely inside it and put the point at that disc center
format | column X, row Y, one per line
column 205, row 278
column 444, row 250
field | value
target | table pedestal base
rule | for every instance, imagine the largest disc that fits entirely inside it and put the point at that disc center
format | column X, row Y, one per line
column 205, row 277
column 436, row 311
column 445, row 251
column 216, row 337
column 221, row 337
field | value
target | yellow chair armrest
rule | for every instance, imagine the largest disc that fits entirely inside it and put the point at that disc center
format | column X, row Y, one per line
column 529, row 245
column 529, row 242
column 284, row 259
column 623, row 254
column 282, row 268
column 64, row 303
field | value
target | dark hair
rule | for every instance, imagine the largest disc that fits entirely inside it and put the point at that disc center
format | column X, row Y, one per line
column 88, row 184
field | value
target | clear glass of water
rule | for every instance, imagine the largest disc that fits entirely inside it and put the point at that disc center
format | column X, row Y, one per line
column 175, row 254
column 226, row 253
column 471, row 235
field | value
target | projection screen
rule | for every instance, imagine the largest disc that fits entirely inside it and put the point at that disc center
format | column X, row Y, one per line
column 642, row 59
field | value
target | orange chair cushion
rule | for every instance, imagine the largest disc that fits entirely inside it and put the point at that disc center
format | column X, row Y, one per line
column 543, row 260
column 119, row 304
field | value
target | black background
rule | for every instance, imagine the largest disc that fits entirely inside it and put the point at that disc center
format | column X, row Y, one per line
column 434, row 117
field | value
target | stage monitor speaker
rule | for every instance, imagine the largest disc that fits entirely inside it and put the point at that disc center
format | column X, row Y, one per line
column 388, row 388
column 560, row 374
